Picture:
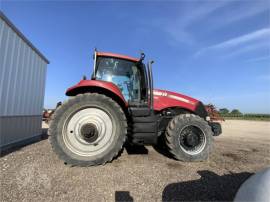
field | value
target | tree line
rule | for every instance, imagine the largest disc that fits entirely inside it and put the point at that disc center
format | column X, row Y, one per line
column 236, row 113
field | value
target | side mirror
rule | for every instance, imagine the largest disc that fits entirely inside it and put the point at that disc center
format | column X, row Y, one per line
column 142, row 56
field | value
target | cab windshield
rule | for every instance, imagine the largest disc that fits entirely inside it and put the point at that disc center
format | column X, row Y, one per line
column 123, row 73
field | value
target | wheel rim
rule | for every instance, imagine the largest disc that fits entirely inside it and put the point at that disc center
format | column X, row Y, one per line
column 88, row 132
column 192, row 140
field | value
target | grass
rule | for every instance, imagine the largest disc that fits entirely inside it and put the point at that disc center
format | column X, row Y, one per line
column 248, row 118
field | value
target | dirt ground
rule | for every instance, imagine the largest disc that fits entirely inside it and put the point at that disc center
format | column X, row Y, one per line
column 140, row 174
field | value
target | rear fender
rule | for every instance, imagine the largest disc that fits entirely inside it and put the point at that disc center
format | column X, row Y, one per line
column 96, row 86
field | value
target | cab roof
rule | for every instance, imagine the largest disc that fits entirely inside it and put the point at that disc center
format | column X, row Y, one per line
column 107, row 54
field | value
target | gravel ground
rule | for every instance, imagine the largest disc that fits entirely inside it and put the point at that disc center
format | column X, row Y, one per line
column 35, row 173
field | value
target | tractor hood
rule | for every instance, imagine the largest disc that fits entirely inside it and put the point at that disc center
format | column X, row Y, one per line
column 162, row 98
column 166, row 99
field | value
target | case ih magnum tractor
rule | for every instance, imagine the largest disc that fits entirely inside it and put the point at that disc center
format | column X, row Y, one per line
column 119, row 104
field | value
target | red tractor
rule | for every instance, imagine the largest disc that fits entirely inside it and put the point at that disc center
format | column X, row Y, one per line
column 119, row 104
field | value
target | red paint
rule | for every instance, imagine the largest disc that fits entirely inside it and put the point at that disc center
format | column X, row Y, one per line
column 161, row 102
column 97, row 83
column 105, row 54
column 165, row 101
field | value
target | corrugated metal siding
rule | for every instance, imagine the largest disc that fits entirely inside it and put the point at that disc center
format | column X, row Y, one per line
column 22, row 75
column 18, row 128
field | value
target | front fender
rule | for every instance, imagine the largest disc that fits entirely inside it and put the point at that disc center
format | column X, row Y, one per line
column 93, row 85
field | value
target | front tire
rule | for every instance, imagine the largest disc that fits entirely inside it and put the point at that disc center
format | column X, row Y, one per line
column 189, row 138
column 89, row 129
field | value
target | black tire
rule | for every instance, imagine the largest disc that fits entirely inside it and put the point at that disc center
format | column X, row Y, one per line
column 75, row 105
column 175, row 141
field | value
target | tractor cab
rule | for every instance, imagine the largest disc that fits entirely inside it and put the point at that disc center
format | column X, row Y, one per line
column 129, row 74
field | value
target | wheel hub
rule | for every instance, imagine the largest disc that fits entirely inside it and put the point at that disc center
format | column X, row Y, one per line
column 192, row 140
column 89, row 132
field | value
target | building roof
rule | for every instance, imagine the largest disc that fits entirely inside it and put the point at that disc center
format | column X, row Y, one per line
column 15, row 29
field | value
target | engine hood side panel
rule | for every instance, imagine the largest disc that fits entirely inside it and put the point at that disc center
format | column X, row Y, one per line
column 165, row 99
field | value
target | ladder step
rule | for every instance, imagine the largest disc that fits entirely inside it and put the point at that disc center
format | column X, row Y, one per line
column 139, row 111
column 145, row 119
column 145, row 127
column 144, row 138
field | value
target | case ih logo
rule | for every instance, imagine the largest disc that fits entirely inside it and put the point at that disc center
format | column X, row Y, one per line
column 165, row 94
column 158, row 93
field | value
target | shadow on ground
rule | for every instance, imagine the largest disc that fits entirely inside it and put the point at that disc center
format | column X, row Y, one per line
column 121, row 196
column 20, row 145
column 210, row 187
column 135, row 149
column 163, row 151
column 161, row 147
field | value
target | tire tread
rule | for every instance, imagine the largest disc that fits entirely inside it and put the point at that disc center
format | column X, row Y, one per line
column 74, row 101
column 170, row 136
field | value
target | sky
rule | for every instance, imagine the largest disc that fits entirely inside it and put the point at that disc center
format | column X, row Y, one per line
column 215, row 51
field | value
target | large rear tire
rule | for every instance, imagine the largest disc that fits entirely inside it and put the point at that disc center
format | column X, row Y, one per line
column 189, row 138
column 89, row 129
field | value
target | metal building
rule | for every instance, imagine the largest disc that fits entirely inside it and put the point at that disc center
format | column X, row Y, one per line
column 22, row 87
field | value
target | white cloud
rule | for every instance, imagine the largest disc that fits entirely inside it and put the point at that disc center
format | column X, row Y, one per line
column 244, row 13
column 177, row 28
column 259, row 58
column 198, row 11
column 243, row 39
column 208, row 14
column 250, row 47
column 238, row 13
column 240, row 41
